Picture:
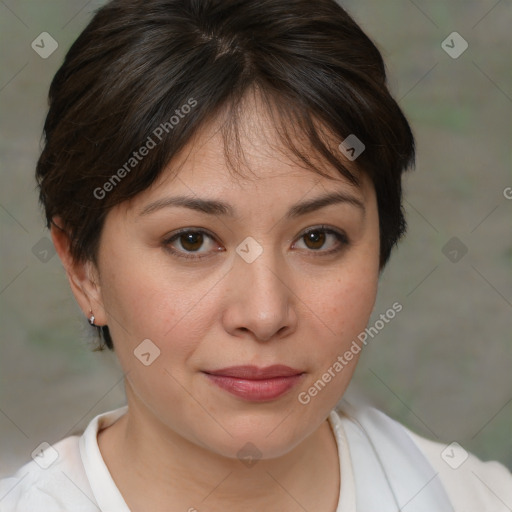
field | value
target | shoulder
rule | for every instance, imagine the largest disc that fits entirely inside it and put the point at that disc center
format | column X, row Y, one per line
column 471, row 484
column 60, row 477
column 53, row 481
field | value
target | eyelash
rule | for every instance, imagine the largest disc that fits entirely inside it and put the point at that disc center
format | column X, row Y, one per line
column 341, row 237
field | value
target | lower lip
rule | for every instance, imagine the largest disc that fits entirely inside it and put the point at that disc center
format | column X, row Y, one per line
column 256, row 390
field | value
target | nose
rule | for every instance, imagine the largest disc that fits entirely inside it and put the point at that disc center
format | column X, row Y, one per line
column 260, row 301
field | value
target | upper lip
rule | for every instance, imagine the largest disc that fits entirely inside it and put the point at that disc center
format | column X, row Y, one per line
column 256, row 373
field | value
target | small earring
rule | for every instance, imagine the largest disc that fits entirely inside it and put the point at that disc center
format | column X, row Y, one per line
column 91, row 319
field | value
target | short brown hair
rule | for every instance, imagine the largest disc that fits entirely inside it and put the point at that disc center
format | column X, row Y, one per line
column 138, row 63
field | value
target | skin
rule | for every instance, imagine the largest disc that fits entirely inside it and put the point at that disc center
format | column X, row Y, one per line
column 176, row 448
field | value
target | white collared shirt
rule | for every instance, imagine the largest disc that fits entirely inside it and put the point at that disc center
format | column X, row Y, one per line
column 71, row 476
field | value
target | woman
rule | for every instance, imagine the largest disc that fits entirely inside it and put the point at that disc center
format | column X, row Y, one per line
column 222, row 182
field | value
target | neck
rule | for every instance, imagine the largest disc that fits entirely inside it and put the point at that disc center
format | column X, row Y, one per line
column 150, row 462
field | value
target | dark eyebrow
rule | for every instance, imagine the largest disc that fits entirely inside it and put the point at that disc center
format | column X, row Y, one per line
column 214, row 207
column 323, row 201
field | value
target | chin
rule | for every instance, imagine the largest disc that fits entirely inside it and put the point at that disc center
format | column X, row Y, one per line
column 248, row 450
column 256, row 436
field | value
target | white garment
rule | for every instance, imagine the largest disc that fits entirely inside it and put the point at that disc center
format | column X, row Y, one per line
column 79, row 481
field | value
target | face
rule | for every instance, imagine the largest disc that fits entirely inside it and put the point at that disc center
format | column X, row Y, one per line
column 260, row 281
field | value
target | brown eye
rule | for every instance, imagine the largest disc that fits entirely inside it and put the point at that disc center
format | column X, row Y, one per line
column 191, row 244
column 315, row 239
column 191, row 241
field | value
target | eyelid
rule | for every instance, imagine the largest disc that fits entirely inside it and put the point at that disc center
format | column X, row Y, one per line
column 191, row 229
column 326, row 228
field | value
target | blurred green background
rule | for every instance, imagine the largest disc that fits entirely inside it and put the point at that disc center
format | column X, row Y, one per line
column 443, row 366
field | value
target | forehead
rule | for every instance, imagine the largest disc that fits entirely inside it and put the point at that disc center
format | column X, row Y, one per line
column 248, row 158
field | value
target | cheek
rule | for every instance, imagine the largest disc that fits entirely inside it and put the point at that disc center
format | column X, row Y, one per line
column 143, row 304
column 340, row 310
column 340, row 313
column 155, row 302
column 345, row 300
column 347, row 309
column 134, row 289
column 348, row 304
column 131, row 301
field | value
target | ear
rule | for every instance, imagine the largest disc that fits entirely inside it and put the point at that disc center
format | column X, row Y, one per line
column 83, row 277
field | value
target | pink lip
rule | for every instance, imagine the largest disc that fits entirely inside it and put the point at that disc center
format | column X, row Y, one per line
column 256, row 384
